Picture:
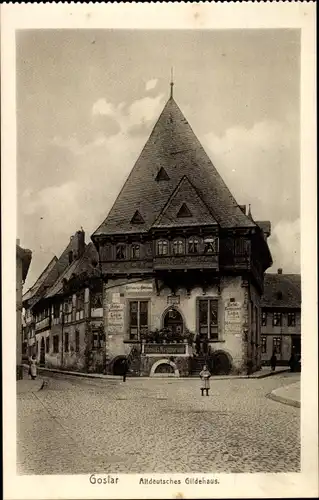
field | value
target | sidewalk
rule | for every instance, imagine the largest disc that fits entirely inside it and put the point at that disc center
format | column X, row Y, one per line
column 264, row 372
column 289, row 395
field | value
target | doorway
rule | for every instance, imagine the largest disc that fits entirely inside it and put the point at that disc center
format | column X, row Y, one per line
column 42, row 352
column 173, row 321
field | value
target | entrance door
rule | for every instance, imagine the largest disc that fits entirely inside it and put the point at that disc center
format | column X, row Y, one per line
column 173, row 321
column 42, row 352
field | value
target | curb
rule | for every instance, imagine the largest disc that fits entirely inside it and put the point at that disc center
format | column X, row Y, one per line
column 283, row 400
column 118, row 377
column 40, row 385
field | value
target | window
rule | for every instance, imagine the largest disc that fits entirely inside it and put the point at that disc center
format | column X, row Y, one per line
column 276, row 345
column 162, row 175
column 241, row 246
column 47, row 345
column 211, row 245
column 66, row 342
column 184, row 211
column 193, row 245
column 55, row 343
column 135, row 251
column 137, row 218
column 263, row 345
column 77, row 341
column 120, row 252
column 162, row 247
column 138, row 318
column 292, row 319
column 264, row 318
column 276, row 319
column 68, row 310
column 208, row 318
column 96, row 300
column 98, row 339
column 56, row 310
column 178, row 247
column 80, row 301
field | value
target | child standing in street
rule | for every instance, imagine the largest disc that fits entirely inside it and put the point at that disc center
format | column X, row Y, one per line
column 205, row 376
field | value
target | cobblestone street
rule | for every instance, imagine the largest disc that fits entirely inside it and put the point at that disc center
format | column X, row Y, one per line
column 78, row 425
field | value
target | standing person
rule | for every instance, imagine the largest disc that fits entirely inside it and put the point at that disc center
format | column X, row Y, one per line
column 205, row 376
column 33, row 367
column 124, row 369
column 292, row 361
column 273, row 361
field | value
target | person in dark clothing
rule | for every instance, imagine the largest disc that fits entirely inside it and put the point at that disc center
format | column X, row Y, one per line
column 124, row 369
column 292, row 362
column 197, row 345
column 273, row 361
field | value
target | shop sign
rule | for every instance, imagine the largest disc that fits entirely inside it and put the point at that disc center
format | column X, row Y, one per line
column 139, row 288
column 164, row 349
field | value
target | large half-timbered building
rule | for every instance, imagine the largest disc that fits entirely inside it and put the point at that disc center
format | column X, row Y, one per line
column 182, row 263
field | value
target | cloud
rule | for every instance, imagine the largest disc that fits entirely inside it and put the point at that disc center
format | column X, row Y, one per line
column 285, row 246
column 151, row 84
column 128, row 116
column 260, row 165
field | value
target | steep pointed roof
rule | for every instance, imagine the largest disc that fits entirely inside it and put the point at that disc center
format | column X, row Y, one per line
column 184, row 198
column 173, row 146
column 40, row 281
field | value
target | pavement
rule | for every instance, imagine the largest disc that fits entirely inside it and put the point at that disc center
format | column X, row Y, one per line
column 289, row 394
column 85, row 425
column 264, row 372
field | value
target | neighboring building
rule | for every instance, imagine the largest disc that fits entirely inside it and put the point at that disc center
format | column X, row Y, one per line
column 23, row 261
column 66, row 310
column 179, row 256
column 281, row 317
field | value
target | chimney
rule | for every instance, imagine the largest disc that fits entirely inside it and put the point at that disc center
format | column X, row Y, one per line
column 80, row 243
column 18, row 242
column 279, row 271
column 243, row 208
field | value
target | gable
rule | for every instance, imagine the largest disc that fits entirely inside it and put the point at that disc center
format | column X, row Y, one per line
column 185, row 207
column 173, row 147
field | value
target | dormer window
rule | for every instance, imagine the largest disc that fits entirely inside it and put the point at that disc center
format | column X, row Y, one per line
column 162, row 175
column 135, row 251
column 137, row 218
column 193, row 245
column 184, row 211
column 211, row 245
column 162, row 247
column 178, row 247
column 120, row 251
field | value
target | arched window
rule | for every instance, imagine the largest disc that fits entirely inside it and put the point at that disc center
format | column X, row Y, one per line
column 120, row 251
column 135, row 251
column 178, row 247
column 193, row 245
column 162, row 247
column 211, row 245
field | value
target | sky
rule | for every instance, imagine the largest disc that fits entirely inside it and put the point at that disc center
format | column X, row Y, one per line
column 87, row 101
